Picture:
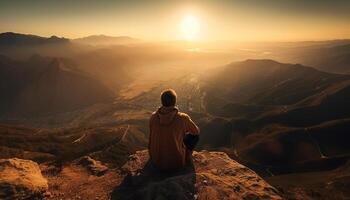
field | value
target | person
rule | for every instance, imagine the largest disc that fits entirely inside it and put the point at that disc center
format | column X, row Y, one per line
column 173, row 135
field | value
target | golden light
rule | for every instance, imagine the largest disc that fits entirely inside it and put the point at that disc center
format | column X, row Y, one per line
column 190, row 27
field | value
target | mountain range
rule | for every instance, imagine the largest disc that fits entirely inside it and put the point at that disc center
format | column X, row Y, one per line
column 106, row 40
column 285, row 114
column 17, row 39
column 277, row 116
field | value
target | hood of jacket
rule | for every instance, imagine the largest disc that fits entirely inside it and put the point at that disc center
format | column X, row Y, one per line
column 167, row 114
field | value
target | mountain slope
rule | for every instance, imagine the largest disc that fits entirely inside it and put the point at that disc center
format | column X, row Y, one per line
column 254, row 85
column 294, row 147
column 329, row 104
column 45, row 85
column 18, row 39
column 276, row 117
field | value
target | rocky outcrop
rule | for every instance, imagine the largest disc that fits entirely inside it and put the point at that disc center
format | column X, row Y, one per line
column 213, row 175
column 95, row 167
column 21, row 179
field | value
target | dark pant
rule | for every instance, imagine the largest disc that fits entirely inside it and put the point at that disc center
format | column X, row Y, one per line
column 191, row 141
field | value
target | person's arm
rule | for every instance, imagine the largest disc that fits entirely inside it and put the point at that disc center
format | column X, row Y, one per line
column 192, row 134
column 191, row 127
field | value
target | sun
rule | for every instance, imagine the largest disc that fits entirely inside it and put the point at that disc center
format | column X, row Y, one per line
column 190, row 27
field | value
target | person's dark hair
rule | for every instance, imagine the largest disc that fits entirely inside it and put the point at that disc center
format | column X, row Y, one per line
column 168, row 97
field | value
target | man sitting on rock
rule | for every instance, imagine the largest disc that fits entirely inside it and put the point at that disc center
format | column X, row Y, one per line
column 173, row 135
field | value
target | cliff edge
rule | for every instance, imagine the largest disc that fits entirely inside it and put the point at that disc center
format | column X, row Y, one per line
column 213, row 175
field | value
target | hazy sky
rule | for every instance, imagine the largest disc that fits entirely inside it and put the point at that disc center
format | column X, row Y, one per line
column 237, row 20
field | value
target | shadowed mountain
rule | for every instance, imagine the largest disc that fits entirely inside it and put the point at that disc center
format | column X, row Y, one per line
column 307, row 136
column 256, row 86
column 46, row 85
column 331, row 103
column 23, row 46
column 306, row 149
column 18, row 39
column 276, row 117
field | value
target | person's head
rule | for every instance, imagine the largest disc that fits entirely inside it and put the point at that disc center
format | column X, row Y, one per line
column 168, row 97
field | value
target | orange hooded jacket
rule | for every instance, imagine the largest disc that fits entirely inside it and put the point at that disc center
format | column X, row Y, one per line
column 168, row 127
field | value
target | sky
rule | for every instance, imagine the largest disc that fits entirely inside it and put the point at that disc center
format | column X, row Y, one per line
column 206, row 20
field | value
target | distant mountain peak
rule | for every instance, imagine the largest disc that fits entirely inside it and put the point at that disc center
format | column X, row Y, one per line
column 106, row 36
column 269, row 63
column 261, row 61
column 106, row 40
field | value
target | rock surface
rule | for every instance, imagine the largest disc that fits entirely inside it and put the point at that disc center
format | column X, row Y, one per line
column 213, row 175
column 21, row 179
column 94, row 166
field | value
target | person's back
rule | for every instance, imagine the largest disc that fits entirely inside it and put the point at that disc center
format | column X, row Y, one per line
column 168, row 127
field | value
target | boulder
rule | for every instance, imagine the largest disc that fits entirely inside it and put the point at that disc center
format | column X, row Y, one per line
column 212, row 175
column 21, row 179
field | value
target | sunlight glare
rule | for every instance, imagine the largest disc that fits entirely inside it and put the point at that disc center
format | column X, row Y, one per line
column 190, row 27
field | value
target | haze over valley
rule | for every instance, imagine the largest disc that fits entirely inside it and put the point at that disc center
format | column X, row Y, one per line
column 268, row 112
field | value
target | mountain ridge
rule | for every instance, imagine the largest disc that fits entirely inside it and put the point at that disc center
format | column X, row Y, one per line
column 12, row 39
column 42, row 85
column 106, row 40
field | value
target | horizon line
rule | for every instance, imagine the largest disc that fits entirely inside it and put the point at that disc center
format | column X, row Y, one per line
column 177, row 40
